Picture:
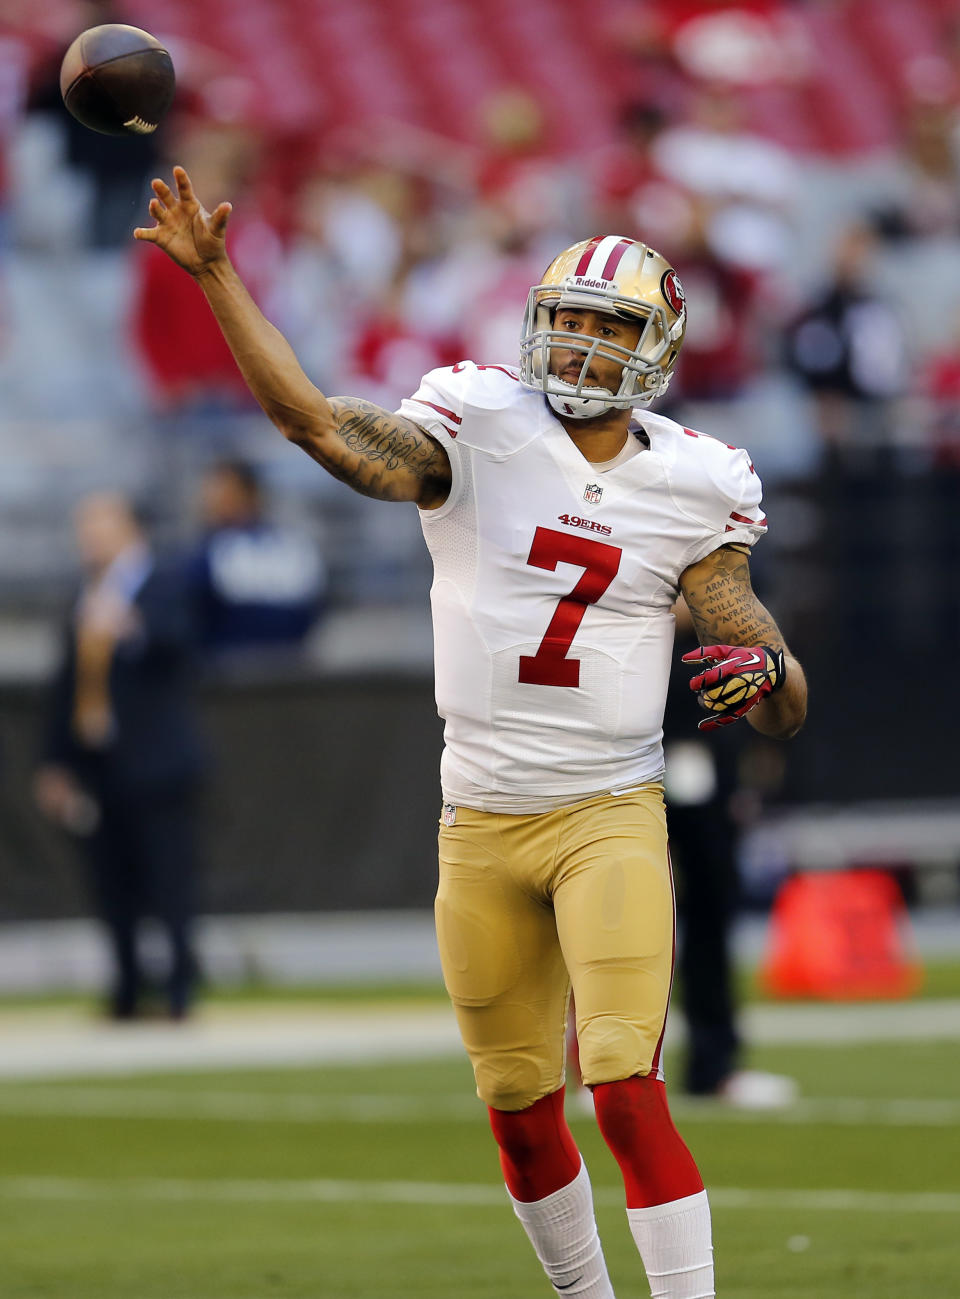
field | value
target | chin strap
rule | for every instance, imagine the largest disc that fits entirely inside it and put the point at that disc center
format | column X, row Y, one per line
column 574, row 407
column 578, row 407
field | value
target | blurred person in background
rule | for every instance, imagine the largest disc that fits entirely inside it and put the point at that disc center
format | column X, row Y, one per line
column 706, row 812
column 722, row 353
column 313, row 271
column 647, row 181
column 554, row 866
column 462, row 265
column 15, row 61
column 926, row 204
column 516, row 171
column 707, row 809
column 190, row 369
column 848, row 349
column 122, row 760
column 116, row 169
column 734, row 286
column 631, row 189
column 400, row 331
column 369, row 237
column 257, row 587
column 746, row 183
column 939, row 409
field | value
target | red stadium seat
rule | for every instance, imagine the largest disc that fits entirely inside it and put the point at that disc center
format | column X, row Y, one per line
column 848, row 107
column 434, row 63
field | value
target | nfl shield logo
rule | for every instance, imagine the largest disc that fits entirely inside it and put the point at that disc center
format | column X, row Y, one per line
column 592, row 493
column 449, row 814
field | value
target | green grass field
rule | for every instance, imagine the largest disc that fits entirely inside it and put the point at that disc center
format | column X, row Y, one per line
column 382, row 1183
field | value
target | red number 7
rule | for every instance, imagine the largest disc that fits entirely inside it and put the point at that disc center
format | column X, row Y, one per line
column 550, row 665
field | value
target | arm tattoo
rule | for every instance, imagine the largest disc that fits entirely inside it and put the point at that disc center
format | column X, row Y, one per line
column 723, row 605
column 388, row 457
column 383, row 441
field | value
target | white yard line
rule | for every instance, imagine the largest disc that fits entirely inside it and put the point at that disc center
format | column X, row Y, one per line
column 68, row 1044
column 43, row 1043
column 836, row 1201
column 454, row 1194
column 783, row 1023
column 839, row 1111
column 282, row 1107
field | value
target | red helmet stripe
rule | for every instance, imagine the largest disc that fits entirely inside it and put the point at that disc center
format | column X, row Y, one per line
column 615, row 258
column 587, row 253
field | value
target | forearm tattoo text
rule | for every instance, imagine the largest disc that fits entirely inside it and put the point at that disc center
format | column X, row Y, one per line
column 725, row 609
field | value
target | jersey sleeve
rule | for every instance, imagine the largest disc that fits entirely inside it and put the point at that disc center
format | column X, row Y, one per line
column 437, row 406
column 732, row 512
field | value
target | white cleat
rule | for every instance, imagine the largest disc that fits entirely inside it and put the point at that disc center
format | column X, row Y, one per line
column 752, row 1089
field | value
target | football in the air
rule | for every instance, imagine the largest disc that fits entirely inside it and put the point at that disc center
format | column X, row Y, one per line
column 117, row 80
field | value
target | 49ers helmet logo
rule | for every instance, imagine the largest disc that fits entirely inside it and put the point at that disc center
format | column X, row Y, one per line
column 672, row 290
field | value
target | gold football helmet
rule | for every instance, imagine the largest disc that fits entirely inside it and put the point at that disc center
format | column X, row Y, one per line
column 622, row 277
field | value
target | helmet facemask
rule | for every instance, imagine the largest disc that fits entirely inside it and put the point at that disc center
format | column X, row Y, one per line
column 642, row 379
column 614, row 276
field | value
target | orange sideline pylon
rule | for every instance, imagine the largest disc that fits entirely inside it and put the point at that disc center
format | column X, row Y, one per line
column 841, row 935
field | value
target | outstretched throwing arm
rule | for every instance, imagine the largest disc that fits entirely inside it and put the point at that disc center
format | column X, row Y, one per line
column 376, row 452
column 734, row 629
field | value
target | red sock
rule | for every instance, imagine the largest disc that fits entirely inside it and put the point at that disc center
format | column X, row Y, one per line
column 538, row 1154
column 635, row 1121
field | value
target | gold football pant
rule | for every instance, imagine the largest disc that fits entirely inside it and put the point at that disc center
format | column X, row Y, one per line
column 528, row 905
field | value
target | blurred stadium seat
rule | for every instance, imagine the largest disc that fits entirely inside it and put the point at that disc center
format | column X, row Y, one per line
column 365, row 61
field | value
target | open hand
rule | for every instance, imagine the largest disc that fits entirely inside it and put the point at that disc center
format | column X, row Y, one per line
column 185, row 230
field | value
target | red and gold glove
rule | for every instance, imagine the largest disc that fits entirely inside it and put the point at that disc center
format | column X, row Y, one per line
column 741, row 677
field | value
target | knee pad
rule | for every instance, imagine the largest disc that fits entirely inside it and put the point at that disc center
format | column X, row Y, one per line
column 612, row 1048
column 510, row 1083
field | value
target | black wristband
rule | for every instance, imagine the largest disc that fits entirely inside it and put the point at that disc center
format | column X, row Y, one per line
column 779, row 665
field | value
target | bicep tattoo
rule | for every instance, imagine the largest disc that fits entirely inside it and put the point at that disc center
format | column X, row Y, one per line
column 386, row 456
column 723, row 605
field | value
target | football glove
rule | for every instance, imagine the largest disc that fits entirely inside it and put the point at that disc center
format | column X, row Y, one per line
column 741, row 677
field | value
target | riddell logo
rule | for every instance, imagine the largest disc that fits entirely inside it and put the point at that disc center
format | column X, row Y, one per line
column 582, row 282
column 589, row 525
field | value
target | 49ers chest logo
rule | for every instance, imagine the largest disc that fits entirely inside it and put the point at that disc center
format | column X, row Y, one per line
column 588, row 525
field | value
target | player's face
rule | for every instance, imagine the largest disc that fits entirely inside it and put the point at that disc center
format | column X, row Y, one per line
column 603, row 372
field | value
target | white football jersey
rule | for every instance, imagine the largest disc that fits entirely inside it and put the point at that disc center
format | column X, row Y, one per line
column 554, row 585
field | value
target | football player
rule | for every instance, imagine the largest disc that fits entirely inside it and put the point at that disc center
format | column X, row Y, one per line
column 564, row 519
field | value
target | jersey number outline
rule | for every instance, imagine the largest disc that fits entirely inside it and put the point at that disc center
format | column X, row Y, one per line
column 600, row 562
